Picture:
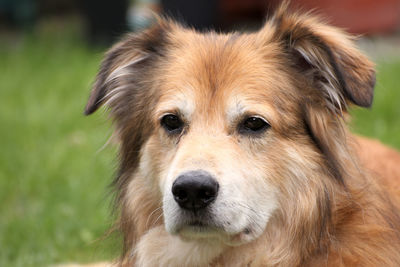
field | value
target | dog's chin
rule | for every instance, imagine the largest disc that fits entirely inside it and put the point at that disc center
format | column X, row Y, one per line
column 197, row 231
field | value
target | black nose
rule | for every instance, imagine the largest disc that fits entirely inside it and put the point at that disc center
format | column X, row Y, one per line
column 195, row 190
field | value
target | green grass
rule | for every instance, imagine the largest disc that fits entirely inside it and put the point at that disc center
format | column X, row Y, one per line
column 53, row 183
column 382, row 121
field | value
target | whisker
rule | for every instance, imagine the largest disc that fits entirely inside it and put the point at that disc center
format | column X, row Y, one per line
column 151, row 214
column 155, row 222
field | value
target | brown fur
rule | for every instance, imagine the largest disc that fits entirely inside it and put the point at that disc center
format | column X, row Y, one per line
column 303, row 74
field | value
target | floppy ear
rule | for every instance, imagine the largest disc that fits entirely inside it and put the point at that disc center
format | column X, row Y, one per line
column 328, row 56
column 126, row 85
column 124, row 63
column 337, row 74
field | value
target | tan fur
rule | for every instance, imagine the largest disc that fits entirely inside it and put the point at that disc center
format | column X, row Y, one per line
column 383, row 162
column 299, row 184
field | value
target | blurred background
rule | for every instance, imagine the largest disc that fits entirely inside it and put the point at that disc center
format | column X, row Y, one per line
column 54, row 166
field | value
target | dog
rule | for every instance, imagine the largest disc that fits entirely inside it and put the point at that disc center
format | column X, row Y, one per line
column 234, row 149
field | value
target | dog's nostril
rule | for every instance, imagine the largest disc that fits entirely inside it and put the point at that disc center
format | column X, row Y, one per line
column 206, row 194
column 195, row 190
column 180, row 195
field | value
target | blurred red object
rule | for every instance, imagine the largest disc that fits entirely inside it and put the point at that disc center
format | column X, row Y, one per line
column 355, row 16
column 358, row 16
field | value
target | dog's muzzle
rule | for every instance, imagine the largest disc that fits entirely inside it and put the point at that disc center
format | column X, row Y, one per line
column 195, row 190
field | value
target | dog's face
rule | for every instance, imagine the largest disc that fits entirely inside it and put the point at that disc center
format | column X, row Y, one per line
column 229, row 131
column 216, row 127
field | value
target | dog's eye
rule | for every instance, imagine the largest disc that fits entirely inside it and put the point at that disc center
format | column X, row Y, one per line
column 253, row 125
column 172, row 123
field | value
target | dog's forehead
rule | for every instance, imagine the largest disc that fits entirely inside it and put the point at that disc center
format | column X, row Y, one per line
column 211, row 60
column 215, row 68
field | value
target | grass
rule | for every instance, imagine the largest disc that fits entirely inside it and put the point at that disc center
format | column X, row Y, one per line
column 53, row 183
column 382, row 121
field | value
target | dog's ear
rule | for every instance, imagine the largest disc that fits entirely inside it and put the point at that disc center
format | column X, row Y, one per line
column 328, row 56
column 125, row 62
column 337, row 75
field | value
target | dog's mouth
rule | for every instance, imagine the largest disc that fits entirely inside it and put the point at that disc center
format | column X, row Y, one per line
column 199, row 227
column 203, row 224
column 199, row 230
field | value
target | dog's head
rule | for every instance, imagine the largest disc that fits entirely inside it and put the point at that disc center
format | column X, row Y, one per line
column 232, row 131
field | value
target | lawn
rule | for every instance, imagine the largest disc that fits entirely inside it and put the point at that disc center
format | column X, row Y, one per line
column 54, row 199
column 54, row 174
column 382, row 121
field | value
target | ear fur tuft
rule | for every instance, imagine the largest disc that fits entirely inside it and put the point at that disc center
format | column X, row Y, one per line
column 334, row 65
column 122, row 60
